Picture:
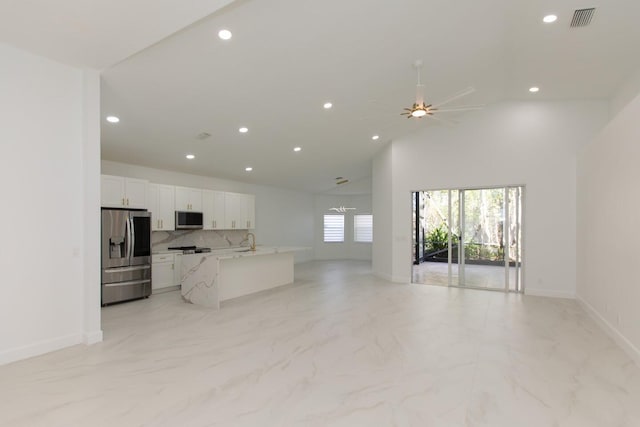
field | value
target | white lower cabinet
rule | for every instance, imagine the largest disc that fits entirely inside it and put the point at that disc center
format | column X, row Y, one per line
column 165, row 271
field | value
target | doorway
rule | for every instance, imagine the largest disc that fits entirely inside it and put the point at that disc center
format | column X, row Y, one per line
column 469, row 238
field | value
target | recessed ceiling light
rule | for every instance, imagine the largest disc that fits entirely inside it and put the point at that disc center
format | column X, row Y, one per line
column 550, row 18
column 224, row 34
column 190, row 156
column 243, row 130
column 534, row 89
column 375, row 137
column 112, row 119
column 248, row 169
column 296, row 149
column 327, row 105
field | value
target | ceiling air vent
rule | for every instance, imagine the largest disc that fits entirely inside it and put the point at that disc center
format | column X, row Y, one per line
column 582, row 17
column 203, row 135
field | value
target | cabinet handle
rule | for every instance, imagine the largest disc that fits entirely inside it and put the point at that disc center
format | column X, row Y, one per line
column 173, row 266
column 127, row 202
column 162, row 223
column 123, row 201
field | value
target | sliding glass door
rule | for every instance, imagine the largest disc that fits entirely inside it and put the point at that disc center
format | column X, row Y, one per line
column 469, row 238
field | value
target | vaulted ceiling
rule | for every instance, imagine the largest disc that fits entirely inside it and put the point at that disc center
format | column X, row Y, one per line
column 169, row 78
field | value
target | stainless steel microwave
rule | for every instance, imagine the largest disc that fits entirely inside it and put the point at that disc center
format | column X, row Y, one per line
column 188, row 220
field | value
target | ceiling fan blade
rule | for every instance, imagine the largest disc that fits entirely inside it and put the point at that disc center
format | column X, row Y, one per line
column 460, row 108
column 458, row 95
column 440, row 119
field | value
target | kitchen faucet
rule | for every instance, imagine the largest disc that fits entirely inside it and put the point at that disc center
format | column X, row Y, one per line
column 253, row 245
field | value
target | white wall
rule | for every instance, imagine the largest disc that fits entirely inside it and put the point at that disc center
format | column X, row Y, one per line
column 283, row 217
column 625, row 94
column 348, row 249
column 609, row 227
column 531, row 144
column 45, row 144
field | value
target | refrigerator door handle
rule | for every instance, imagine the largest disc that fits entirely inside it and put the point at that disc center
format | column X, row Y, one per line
column 133, row 237
column 128, row 245
column 127, row 269
column 129, row 283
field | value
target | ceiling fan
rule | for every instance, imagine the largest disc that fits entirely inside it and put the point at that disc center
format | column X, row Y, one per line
column 420, row 109
column 342, row 209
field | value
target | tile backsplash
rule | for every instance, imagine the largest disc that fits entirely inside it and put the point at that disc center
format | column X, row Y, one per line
column 214, row 239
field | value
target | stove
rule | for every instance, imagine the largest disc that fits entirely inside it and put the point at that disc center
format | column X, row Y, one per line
column 190, row 249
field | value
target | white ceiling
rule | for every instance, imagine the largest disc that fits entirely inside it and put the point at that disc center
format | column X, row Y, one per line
column 96, row 33
column 287, row 57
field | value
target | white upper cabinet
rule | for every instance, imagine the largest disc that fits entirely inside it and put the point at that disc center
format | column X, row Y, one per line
column 213, row 210
column 121, row 192
column 188, row 199
column 162, row 207
column 232, row 203
column 220, row 210
column 239, row 211
column 250, row 210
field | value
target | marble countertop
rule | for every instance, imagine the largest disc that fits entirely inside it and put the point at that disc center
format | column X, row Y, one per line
column 239, row 252
column 244, row 251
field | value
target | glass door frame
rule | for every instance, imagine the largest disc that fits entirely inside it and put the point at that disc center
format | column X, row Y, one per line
column 519, row 231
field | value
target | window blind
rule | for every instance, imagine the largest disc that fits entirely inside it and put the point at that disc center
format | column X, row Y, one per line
column 363, row 228
column 333, row 228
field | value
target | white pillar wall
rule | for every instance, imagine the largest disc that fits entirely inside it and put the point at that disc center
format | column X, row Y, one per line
column 49, row 174
column 608, row 228
column 91, row 255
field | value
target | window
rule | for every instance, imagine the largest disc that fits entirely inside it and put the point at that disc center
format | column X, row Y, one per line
column 334, row 228
column 363, row 228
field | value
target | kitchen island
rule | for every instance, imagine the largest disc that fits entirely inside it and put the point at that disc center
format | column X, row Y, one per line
column 209, row 278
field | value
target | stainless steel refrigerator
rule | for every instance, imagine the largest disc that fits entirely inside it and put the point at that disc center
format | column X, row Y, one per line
column 126, row 255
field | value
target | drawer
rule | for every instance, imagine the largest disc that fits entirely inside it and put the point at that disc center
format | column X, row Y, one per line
column 162, row 258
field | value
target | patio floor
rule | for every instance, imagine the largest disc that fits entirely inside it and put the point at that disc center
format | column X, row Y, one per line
column 477, row 276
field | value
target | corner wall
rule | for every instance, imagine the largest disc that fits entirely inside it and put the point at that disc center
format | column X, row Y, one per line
column 609, row 229
column 511, row 143
column 45, row 144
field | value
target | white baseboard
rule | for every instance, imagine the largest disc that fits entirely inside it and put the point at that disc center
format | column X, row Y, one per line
column 36, row 349
column 549, row 293
column 610, row 330
column 89, row 338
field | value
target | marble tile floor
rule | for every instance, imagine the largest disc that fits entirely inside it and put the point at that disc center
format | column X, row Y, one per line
column 339, row 347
